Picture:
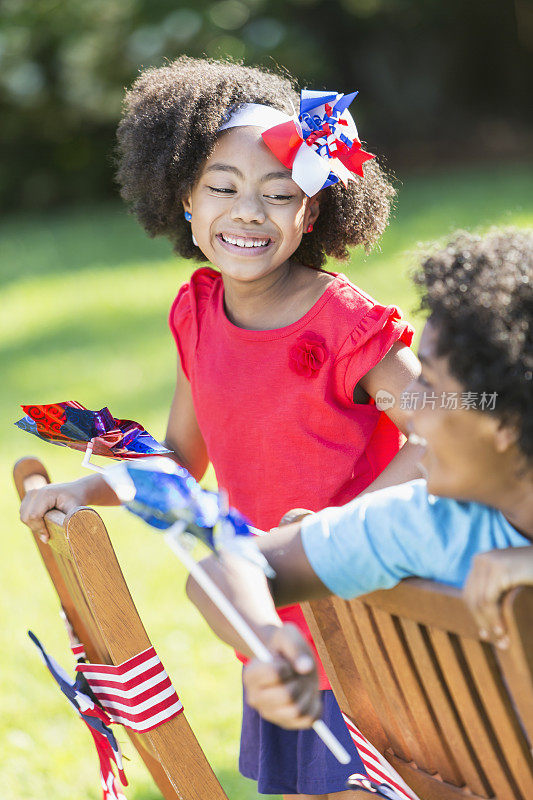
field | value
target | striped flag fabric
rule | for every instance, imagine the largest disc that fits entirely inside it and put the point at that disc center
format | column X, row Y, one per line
column 137, row 693
column 78, row 651
column 378, row 768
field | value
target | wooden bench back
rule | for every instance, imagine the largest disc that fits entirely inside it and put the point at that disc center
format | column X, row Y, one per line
column 87, row 577
column 408, row 667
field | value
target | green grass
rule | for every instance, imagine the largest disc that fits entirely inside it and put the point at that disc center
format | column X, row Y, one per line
column 84, row 303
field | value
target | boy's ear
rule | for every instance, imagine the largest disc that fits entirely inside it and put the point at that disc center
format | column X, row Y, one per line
column 505, row 437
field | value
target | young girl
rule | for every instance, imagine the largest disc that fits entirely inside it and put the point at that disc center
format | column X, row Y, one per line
column 277, row 357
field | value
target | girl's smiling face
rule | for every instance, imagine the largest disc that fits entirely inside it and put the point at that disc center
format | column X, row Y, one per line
column 248, row 215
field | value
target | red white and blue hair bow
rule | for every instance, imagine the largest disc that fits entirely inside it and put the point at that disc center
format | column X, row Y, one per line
column 321, row 145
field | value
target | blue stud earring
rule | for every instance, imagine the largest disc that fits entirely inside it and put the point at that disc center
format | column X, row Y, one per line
column 188, row 217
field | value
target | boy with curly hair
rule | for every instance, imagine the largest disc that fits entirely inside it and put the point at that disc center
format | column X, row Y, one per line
column 478, row 462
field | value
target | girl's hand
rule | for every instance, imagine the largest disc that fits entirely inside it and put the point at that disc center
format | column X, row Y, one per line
column 285, row 691
column 63, row 496
column 493, row 574
column 294, row 515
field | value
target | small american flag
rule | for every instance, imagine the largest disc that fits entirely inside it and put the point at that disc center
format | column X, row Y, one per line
column 96, row 720
column 137, row 693
column 378, row 769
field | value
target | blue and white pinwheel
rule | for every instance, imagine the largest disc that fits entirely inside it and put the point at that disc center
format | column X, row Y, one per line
column 165, row 495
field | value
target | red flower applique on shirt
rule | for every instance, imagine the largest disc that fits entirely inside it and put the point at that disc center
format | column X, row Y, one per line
column 308, row 354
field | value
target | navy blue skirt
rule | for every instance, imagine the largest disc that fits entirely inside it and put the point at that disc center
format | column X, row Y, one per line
column 295, row 762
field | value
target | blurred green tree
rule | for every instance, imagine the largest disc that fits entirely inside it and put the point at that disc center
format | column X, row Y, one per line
column 437, row 80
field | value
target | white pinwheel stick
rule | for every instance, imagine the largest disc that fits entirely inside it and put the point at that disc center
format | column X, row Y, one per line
column 87, row 463
column 255, row 644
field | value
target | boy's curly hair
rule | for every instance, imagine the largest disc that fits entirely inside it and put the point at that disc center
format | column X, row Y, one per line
column 479, row 292
column 168, row 130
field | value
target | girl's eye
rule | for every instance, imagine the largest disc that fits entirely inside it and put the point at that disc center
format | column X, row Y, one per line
column 424, row 382
column 279, row 196
column 221, row 190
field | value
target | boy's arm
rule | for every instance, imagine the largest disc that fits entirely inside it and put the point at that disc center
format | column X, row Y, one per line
column 247, row 588
column 371, row 543
column 340, row 545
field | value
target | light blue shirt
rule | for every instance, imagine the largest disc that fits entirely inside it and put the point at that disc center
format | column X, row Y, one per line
column 375, row 541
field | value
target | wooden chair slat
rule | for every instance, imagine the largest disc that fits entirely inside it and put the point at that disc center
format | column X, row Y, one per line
column 429, row 787
column 124, row 634
column 345, row 680
column 415, row 598
column 89, row 582
column 516, row 661
column 358, row 631
column 499, row 710
column 392, row 650
column 457, row 765
column 110, row 601
column 77, row 603
column 481, row 736
column 323, row 616
column 423, row 724
column 385, row 673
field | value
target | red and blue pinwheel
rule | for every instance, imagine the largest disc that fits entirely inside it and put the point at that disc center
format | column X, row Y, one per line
column 72, row 425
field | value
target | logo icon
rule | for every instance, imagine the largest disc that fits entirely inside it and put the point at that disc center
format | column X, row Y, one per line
column 384, row 400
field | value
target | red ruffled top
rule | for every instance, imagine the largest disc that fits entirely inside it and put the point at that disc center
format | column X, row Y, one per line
column 276, row 407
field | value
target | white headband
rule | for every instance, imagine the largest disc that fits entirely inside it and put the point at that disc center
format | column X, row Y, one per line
column 257, row 115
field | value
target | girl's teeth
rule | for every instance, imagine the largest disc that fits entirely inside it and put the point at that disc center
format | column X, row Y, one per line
column 245, row 242
column 415, row 439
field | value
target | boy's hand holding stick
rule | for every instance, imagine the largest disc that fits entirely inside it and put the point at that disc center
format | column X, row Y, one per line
column 300, row 661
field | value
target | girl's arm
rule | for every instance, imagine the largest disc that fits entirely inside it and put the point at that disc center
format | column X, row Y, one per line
column 393, row 374
column 183, row 434
column 183, row 437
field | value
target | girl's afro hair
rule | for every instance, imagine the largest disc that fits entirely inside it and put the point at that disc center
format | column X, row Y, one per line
column 169, row 128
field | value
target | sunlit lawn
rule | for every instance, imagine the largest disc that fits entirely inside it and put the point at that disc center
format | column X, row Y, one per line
column 84, row 303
